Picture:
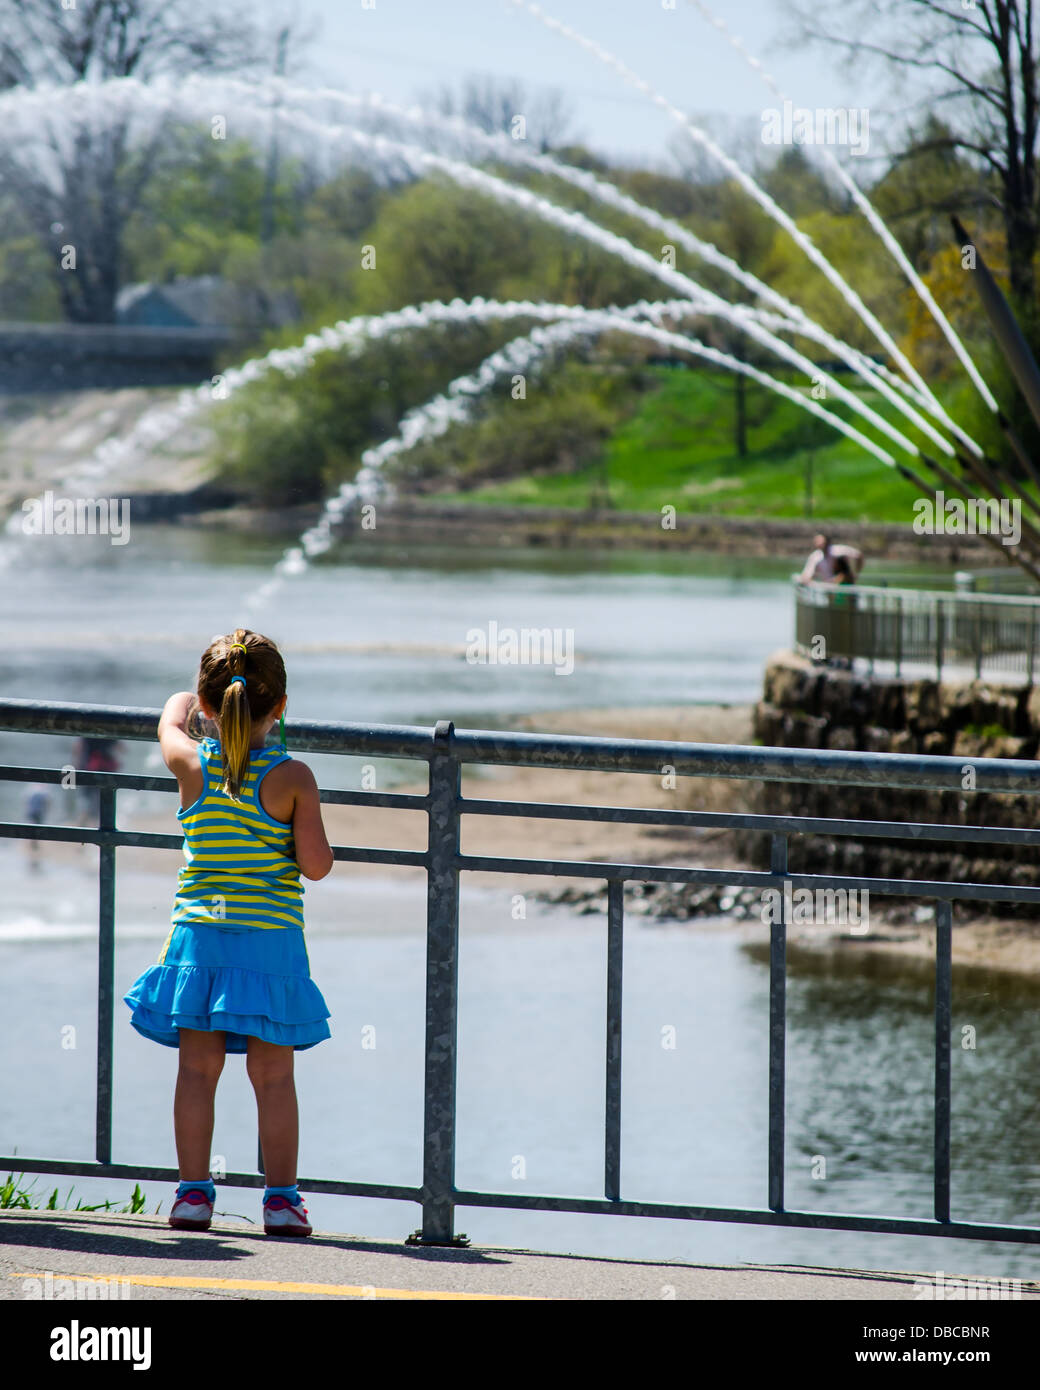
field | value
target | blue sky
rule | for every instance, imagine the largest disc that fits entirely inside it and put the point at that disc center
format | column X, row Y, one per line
column 402, row 47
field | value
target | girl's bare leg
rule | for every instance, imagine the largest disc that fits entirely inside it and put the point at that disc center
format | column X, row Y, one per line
column 270, row 1069
column 201, row 1062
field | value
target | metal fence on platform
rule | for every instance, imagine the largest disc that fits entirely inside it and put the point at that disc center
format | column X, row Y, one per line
column 995, row 634
column 445, row 751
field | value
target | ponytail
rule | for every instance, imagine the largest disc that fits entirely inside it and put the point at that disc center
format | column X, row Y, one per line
column 242, row 680
column 236, row 722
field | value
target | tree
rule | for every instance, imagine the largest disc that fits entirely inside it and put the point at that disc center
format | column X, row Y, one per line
column 434, row 240
column 95, row 168
column 980, row 63
column 747, row 235
column 210, row 203
column 925, row 183
column 437, row 241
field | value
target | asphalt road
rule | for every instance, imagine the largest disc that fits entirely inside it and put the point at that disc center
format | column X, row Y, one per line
column 39, row 1250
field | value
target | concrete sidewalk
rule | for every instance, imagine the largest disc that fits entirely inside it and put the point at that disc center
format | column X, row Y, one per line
column 154, row 1262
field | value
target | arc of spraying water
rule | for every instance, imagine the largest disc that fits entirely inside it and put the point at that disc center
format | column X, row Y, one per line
column 504, row 147
column 874, row 374
column 768, row 204
column 998, row 483
column 453, row 406
column 577, row 223
column 868, row 210
column 779, row 324
column 348, row 335
column 571, row 221
column 705, row 300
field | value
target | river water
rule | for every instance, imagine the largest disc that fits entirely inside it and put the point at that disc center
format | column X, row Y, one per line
column 377, row 635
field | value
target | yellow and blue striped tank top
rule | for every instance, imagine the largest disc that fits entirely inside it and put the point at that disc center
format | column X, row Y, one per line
column 239, row 868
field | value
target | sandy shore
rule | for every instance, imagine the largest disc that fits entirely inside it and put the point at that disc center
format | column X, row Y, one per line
column 1000, row 944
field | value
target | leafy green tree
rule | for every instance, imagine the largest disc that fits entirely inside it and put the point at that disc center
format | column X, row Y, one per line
column 206, row 209
column 27, row 292
column 436, row 241
column 346, row 204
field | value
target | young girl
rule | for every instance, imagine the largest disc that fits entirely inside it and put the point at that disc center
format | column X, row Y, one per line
column 233, row 975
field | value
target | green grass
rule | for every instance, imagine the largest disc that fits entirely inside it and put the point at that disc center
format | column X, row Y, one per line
column 678, row 449
column 16, row 1197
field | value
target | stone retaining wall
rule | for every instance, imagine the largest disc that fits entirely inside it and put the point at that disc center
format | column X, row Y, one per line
column 806, row 705
column 418, row 519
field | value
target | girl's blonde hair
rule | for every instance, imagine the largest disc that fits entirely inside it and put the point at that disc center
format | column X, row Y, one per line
column 248, row 654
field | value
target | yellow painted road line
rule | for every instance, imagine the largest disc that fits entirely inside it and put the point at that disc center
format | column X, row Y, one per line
column 187, row 1281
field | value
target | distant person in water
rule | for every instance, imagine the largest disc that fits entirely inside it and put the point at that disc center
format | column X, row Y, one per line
column 37, row 808
column 822, row 564
column 95, row 755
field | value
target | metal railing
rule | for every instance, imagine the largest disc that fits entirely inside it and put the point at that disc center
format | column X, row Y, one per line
column 446, row 751
column 937, row 630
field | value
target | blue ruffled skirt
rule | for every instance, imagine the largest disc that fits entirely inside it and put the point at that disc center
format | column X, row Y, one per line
column 242, row 983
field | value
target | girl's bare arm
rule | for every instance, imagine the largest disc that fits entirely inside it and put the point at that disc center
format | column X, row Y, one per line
column 179, row 750
column 313, row 851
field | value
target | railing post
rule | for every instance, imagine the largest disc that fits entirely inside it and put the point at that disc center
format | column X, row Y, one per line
column 1032, row 643
column 615, row 940
column 777, row 1029
column 899, row 634
column 978, row 642
column 939, row 635
column 106, row 976
column 943, row 1025
column 442, row 982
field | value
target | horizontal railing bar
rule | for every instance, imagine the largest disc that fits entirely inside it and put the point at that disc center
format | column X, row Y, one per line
column 837, row 1221
column 405, row 801
column 129, row 781
column 653, row 873
column 89, row 835
column 730, row 820
column 747, row 762
column 553, row 810
column 400, row 801
column 142, row 839
column 417, row 857
column 394, row 1192
column 747, row 878
column 131, row 722
column 955, row 598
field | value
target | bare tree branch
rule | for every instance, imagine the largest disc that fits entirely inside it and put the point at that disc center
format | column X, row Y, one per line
column 987, row 51
column 98, row 171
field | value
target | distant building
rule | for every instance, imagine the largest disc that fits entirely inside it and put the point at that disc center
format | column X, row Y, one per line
column 204, row 301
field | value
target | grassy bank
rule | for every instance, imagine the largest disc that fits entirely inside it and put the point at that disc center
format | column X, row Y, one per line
column 633, row 437
column 678, row 448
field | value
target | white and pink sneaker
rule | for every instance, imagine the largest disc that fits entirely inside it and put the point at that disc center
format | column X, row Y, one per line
column 192, row 1212
column 281, row 1218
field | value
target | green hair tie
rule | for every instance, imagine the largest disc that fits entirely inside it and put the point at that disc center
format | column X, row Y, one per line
column 281, row 731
